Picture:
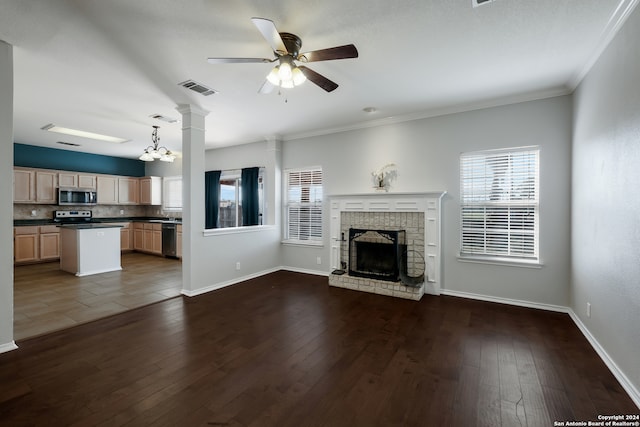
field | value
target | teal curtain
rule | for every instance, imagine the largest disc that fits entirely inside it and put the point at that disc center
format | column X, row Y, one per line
column 211, row 198
column 250, row 208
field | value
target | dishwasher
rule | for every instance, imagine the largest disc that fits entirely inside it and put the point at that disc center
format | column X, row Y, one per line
column 169, row 240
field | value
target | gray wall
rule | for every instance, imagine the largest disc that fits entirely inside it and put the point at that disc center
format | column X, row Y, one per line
column 6, row 193
column 606, row 200
column 426, row 153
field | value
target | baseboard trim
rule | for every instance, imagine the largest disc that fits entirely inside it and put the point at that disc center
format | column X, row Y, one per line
column 509, row 301
column 8, row 347
column 626, row 384
column 305, row 271
column 221, row 285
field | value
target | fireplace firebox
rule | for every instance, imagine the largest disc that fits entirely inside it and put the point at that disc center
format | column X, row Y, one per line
column 377, row 254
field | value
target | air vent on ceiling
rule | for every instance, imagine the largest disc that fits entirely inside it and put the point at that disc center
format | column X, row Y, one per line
column 197, row 87
column 477, row 3
column 163, row 118
column 68, row 143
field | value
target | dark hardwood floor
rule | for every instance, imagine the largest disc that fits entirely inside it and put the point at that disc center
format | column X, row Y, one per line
column 287, row 350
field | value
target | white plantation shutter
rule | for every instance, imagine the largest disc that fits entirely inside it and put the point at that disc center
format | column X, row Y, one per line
column 172, row 193
column 303, row 205
column 499, row 203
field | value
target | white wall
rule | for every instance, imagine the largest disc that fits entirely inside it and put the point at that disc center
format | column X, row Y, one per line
column 426, row 153
column 606, row 200
column 6, row 193
column 258, row 250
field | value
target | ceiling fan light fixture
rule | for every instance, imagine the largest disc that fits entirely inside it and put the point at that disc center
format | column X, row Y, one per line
column 273, row 77
column 287, row 84
column 298, row 76
column 285, row 72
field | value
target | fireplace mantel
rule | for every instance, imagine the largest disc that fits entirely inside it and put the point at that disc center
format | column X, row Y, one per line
column 429, row 203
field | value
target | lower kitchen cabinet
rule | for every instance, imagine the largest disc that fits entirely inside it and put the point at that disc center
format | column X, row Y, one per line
column 34, row 244
column 25, row 244
column 49, row 243
column 126, row 236
column 147, row 237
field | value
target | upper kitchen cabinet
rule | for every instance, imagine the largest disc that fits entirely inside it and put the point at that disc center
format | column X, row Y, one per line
column 128, row 189
column 107, row 190
column 46, row 187
column 150, row 190
column 24, row 186
column 34, row 186
column 76, row 180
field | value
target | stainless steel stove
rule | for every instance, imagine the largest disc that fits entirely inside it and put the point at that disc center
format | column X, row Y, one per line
column 72, row 217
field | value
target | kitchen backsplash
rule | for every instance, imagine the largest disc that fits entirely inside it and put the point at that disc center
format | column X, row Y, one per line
column 23, row 211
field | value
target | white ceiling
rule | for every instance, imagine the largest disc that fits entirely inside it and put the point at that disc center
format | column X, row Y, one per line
column 105, row 66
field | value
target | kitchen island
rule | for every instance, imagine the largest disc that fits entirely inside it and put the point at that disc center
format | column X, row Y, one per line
column 90, row 248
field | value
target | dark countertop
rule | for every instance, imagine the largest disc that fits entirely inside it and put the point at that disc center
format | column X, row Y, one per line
column 89, row 226
column 32, row 222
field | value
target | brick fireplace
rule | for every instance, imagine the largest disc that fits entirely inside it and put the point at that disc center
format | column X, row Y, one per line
column 377, row 217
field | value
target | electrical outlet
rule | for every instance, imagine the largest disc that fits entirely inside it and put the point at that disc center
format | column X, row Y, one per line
column 318, row 260
column 34, row 213
column 238, row 265
column 121, row 211
column 588, row 309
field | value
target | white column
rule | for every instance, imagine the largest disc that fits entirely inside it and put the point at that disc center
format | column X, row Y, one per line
column 192, row 191
column 6, row 193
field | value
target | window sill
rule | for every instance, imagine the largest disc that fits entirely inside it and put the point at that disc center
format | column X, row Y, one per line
column 508, row 262
column 314, row 244
column 237, row 230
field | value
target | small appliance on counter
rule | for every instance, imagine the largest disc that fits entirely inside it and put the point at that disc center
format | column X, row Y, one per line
column 72, row 217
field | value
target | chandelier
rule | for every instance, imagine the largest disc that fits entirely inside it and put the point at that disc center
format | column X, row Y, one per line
column 154, row 152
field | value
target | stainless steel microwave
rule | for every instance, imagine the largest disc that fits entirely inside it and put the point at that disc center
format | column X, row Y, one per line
column 77, row 196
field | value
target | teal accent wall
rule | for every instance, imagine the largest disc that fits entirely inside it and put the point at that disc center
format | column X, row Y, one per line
column 32, row 156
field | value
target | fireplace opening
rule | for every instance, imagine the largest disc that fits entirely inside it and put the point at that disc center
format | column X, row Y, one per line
column 377, row 254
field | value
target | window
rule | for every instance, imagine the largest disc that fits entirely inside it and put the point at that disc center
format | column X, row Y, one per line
column 172, row 193
column 230, row 198
column 303, row 206
column 499, row 204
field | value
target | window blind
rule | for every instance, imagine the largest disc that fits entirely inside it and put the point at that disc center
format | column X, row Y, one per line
column 172, row 193
column 303, row 205
column 499, row 203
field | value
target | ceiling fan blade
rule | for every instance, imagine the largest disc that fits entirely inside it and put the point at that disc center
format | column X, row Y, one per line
column 266, row 87
column 338, row 52
column 318, row 79
column 236, row 60
column 270, row 33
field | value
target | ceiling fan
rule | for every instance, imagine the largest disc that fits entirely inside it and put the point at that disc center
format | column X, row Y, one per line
column 286, row 48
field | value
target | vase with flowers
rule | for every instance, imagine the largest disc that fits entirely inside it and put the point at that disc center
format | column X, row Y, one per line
column 382, row 177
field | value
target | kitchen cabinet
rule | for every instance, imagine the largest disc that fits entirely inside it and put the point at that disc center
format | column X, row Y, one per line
column 25, row 244
column 24, row 186
column 76, row 180
column 46, row 187
column 49, row 242
column 150, row 190
column 179, row 241
column 126, row 235
column 138, row 236
column 152, row 241
column 107, row 190
column 35, row 186
column 127, row 191
column 34, row 244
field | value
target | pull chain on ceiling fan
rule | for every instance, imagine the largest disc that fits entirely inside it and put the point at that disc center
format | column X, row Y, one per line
column 286, row 48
